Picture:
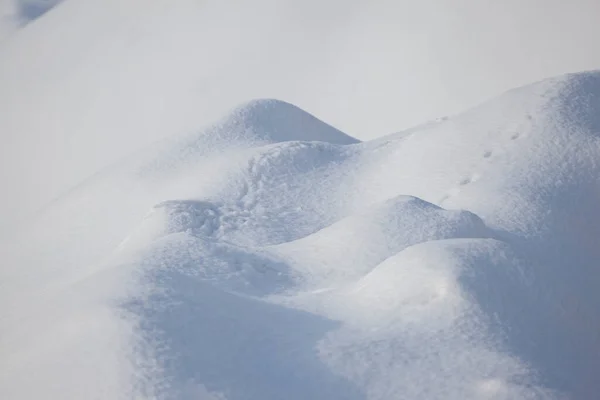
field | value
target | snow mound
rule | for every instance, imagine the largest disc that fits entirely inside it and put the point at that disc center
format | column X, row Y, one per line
column 424, row 324
column 255, row 123
column 331, row 254
column 277, row 121
column 283, row 259
column 187, row 238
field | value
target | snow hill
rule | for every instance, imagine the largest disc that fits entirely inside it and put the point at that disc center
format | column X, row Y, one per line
column 271, row 256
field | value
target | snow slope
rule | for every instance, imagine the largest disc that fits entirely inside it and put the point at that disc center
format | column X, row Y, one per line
column 271, row 256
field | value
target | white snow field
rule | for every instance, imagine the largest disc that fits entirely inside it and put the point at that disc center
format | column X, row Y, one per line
column 271, row 256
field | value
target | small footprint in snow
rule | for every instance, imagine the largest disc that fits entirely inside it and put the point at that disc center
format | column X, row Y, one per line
column 464, row 181
column 470, row 179
column 515, row 136
column 487, row 154
column 456, row 190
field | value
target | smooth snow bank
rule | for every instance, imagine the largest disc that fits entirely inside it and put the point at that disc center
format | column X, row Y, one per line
column 271, row 256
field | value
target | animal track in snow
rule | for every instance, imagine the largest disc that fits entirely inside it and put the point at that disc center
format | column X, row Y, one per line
column 457, row 189
column 464, row 181
column 487, row 154
column 469, row 179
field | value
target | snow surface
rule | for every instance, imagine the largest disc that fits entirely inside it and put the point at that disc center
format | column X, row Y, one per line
column 271, row 256
column 9, row 21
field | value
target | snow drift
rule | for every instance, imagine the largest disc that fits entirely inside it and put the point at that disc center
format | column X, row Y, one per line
column 272, row 256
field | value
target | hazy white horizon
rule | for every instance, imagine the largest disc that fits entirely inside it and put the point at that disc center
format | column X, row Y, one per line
column 92, row 81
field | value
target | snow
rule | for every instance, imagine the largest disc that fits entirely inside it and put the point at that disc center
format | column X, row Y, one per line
column 91, row 81
column 15, row 14
column 33, row 9
column 271, row 256
column 383, row 231
column 9, row 20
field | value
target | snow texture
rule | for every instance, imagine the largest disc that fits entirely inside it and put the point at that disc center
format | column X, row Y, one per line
column 271, row 256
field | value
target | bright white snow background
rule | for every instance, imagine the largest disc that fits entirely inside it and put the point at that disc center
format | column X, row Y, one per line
column 264, row 254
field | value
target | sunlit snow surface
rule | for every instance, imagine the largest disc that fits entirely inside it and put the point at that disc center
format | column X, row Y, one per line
column 270, row 256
